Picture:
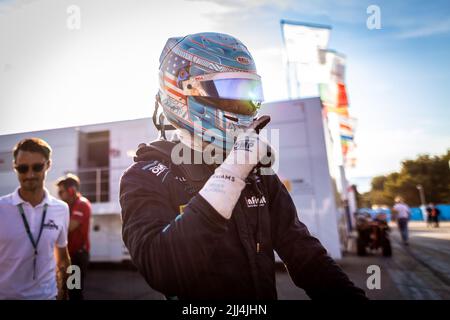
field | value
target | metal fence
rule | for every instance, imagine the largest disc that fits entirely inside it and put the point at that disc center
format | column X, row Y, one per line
column 96, row 182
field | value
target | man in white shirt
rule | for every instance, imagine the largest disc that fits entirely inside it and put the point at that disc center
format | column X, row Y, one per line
column 33, row 230
column 403, row 213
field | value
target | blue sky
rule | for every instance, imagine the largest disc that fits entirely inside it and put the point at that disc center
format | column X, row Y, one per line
column 398, row 77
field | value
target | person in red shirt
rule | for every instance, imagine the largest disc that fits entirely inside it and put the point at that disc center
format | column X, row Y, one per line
column 80, row 214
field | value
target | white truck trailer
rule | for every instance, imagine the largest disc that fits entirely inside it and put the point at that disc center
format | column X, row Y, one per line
column 100, row 153
column 306, row 168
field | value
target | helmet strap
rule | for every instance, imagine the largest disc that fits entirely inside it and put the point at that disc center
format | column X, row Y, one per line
column 162, row 126
column 159, row 121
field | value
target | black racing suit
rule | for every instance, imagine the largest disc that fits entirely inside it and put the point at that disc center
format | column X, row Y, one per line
column 183, row 247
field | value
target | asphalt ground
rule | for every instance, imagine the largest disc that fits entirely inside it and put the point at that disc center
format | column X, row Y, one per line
column 420, row 271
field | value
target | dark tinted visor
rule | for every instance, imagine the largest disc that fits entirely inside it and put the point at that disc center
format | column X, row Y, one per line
column 244, row 107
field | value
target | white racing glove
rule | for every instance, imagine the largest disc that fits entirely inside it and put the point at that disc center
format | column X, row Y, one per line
column 224, row 187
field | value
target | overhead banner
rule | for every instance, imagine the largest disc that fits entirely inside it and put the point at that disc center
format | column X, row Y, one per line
column 305, row 45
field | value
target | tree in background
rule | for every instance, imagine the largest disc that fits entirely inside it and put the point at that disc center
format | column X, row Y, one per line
column 432, row 172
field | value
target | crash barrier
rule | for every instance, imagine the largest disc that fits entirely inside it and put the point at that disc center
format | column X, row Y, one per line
column 416, row 212
column 417, row 215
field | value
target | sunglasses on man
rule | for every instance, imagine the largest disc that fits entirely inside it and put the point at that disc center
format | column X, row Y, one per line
column 24, row 168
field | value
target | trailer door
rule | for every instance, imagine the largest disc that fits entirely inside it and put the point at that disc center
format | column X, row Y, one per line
column 93, row 165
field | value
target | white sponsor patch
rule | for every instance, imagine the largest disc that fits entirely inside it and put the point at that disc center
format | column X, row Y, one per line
column 156, row 168
column 255, row 201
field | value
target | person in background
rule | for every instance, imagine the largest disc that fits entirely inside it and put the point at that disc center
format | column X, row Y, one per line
column 433, row 214
column 80, row 214
column 429, row 218
column 403, row 213
column 33, row 230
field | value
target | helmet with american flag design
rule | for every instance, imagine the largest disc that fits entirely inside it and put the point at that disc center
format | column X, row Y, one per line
column 209, row 86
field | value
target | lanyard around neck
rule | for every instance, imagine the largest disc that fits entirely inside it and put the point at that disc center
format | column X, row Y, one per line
column 34, row 243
